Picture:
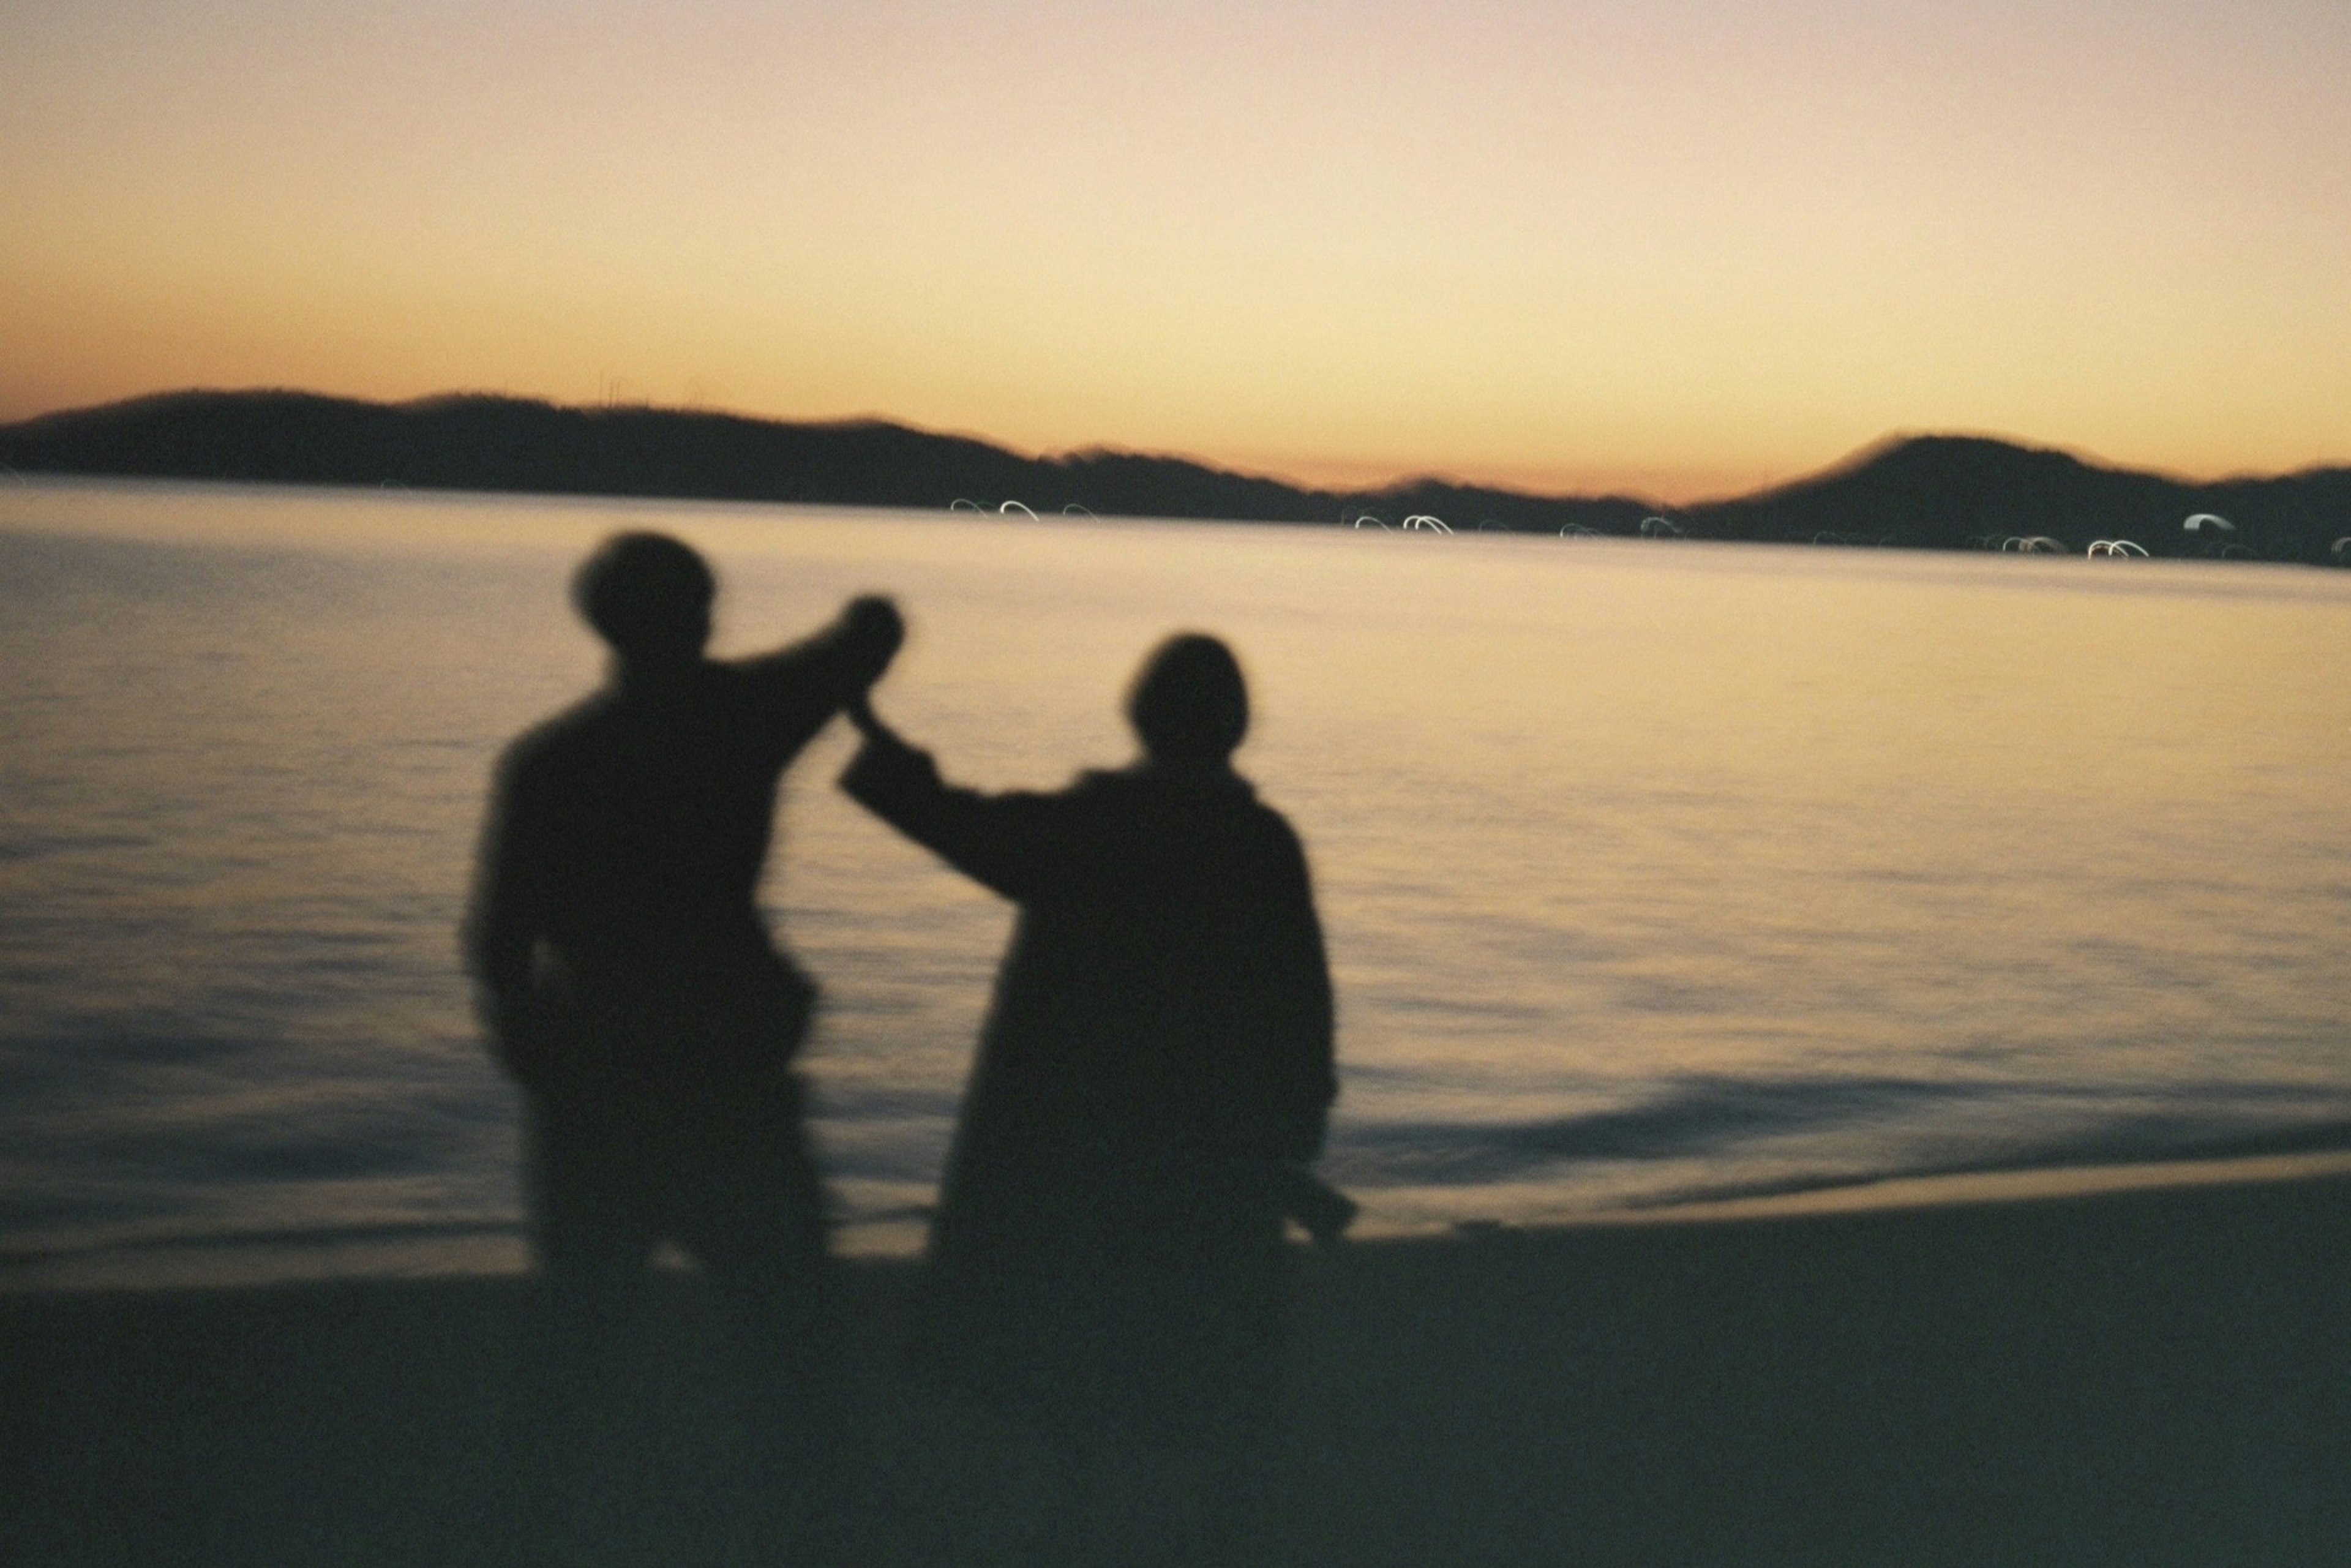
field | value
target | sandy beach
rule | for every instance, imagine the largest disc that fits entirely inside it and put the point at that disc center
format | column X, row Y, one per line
column 2102, row 1372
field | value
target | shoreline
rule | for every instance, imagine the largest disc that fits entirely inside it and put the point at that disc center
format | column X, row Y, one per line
column 2141, row 1375
column 482, row 1252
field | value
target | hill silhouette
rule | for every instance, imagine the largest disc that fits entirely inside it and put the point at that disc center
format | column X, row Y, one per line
column 1950, row 492
column 1931, row 492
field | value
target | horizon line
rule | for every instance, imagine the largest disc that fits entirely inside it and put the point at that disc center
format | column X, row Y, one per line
column 1403, row 481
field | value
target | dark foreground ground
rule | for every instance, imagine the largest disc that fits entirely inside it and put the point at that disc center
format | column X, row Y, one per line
column 2147, row 1378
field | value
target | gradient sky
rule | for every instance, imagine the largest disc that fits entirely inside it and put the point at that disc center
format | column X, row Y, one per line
column 1679, row 246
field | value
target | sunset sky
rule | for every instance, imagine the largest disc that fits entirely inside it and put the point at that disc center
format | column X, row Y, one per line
column 1683, row 246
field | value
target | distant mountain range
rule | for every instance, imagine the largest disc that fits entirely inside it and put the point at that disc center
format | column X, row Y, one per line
column 1932, row 492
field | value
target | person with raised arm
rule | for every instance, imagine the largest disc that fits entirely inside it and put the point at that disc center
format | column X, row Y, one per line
column 1154, row 1073
column 627, row 983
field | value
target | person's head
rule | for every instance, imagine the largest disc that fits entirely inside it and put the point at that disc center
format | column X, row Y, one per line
column 648, row 596
column 1189, row 703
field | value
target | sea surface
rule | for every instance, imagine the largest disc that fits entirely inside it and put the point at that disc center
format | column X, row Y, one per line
column 1652, row 871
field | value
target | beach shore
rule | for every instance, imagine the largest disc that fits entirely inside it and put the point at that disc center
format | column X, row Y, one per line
column 2089, row 1373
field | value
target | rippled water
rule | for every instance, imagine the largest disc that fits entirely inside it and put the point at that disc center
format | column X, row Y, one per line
column 1650, row 871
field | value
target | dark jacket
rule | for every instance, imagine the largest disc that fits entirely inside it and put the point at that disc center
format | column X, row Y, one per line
column 1159, row 1049
column 614, row 904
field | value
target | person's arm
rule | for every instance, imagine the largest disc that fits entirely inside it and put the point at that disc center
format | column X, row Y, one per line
column 1306, row 1078
column 504, row 923
column 1004, row 842
column 806, row 684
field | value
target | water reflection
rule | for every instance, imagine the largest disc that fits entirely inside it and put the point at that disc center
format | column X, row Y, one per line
column 1585, row 822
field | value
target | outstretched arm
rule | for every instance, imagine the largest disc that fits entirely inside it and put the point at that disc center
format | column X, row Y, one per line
column 1004, row 842
column 806, row 684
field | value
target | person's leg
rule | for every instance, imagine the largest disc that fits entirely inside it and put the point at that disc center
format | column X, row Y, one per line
column 1254, row 1273
column 750, row 1207
column 591, row 1227
column 595, row 1200
column 1202, row 1316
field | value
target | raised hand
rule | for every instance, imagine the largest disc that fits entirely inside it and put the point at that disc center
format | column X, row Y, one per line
column 875, row 622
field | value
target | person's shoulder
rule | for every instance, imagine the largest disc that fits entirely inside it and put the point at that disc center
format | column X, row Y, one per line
column 1223, row 803
column 1221, row 791
column 1093, row 796
column 554, row 740
column 1114, row 789
column 743, row 674
column 788, row 668
column 1272, row 823
column 763, row 688
column 1267, row 823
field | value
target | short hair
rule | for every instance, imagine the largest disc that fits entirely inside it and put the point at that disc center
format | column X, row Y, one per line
column 1188, row 701
column 646, row 594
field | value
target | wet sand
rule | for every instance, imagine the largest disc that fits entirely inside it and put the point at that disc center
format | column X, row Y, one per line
column 2129, row 1377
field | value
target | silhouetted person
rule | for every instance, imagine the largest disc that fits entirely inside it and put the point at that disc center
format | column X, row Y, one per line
column 1154, row 1070
column 629, row 984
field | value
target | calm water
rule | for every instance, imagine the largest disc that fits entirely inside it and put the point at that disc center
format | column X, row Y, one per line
column 1650, row 871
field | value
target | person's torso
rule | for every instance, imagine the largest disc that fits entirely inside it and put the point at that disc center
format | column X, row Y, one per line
column 651, row 823
column 1140, row 1004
